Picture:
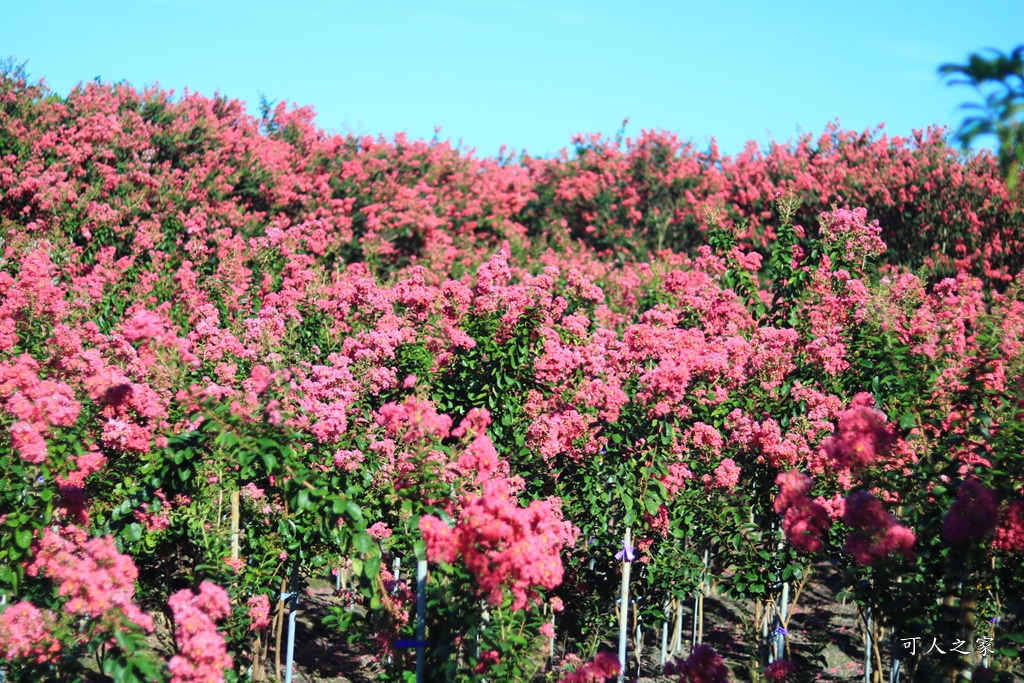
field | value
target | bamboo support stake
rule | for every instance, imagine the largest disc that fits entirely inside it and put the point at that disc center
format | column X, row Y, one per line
column 278, row 629
column 638, row 638
column 677, row 638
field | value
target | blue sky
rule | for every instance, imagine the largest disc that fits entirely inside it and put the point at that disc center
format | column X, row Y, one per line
column 530, row 73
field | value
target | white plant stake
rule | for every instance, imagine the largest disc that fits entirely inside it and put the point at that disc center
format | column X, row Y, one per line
column 867, row 646
column 626, row 556
column 293, row 611
column 421, row 617
column 664, row 634
column 780, row 632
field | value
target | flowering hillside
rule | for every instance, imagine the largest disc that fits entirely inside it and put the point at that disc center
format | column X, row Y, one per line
column 237, row 354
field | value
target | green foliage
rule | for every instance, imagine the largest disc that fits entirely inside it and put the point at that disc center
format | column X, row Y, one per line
column 999, row 79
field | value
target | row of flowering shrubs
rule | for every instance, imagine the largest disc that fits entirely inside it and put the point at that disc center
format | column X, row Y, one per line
column 236, row 353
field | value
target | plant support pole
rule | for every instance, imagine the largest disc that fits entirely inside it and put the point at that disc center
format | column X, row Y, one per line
column 293, row 604
column 624, row 607
column 664, row 634
column 894, row 671
column 867, row 646
column 235, row 518
column 421, row 617
column 780, row 631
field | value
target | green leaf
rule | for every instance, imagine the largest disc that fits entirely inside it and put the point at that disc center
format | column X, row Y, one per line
column 652, row 503
column 23, row 537
column 362, row 542
column 354, row 512
column 269, row 461
column 907, row 420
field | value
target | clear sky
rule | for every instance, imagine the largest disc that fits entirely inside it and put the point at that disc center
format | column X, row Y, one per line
column 530, row 73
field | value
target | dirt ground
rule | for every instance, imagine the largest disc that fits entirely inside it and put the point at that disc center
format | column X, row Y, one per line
column 824, row 637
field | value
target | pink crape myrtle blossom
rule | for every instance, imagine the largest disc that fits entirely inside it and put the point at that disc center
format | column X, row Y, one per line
column 259, row 612
column 804, row 521
column 603, row 666
column 804, row 524
column 1010, row 533
column 704, row 665
column 874, row 534
column 973, row 515
column 414, row 420
column 779, row 671
column 25, row 634
column 379, row 531
column 91, row 574
column 202, row 653
column 793, row 486
column 860, row 240
column 726, row 475
column 504, row 545
column 861, row 436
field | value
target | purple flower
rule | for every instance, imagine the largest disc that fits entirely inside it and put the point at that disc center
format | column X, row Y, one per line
column 780, row 631
column 627, row 552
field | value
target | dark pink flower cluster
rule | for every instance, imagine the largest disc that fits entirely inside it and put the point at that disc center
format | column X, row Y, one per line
column 804, row 521
column 973, row 515
column 1010, row 534
column 704, row 665
column 505, row 546
column 780, row 670
column 202, row 654
column 488, row 658
column 603, row 666
column 726, row 476
column 874, row 533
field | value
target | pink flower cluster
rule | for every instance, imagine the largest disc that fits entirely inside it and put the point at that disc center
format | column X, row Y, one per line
column 25, row 634
column 779, row 671
column 1010, row 534
column 874, row 533
column 861, row 436
column 36, row 404
column 726, row 475
column 804, row 520
column 504, row 545
column 96, row 579
column 973, row 515
column 603, row 666
column 202, row 654
column 704, row 665
column 259, row 612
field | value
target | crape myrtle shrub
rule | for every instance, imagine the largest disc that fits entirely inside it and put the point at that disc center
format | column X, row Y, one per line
column 237, row 351
column 939, row 210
